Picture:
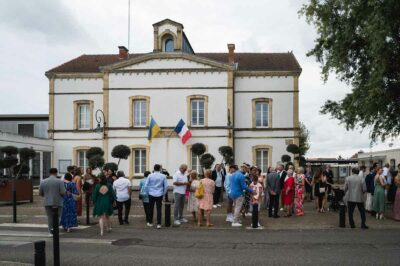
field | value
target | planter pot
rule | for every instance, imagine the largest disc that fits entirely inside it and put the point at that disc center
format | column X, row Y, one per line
column 24, row 190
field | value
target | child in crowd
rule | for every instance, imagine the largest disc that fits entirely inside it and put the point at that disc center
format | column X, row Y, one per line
column 256, row 196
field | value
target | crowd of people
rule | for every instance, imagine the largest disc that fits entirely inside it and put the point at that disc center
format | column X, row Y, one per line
column 281, row 191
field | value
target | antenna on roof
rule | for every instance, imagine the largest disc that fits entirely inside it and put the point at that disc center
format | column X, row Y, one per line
column 129, row 23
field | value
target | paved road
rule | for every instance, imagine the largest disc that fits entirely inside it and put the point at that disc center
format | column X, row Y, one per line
column 181, row 246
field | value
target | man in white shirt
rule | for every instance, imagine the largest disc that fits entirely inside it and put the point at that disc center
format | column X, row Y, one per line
column 218, row 175
column 180, row 181
column 123, row 188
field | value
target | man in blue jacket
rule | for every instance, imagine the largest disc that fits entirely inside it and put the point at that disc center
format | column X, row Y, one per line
column 238, row 188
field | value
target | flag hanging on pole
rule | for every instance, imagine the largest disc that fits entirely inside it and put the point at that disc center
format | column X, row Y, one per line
column 154, row 128
column 183, row 131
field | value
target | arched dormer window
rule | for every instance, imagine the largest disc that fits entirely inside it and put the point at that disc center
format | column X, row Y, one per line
column 169, row 45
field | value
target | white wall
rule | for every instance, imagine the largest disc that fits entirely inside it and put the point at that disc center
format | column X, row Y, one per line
column 7, row 139
column 168, row 79
column 167, row 26
column 168, row 106
column 64, row 109
column 167, row 64
column 78, row 85
column 243, row 149
column 264, row 83
column 282, row 109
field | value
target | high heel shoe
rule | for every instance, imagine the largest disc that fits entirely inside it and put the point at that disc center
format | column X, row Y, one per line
column 101, row 233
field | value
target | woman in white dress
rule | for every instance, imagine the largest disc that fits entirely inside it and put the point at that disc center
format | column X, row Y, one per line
column 192, row 205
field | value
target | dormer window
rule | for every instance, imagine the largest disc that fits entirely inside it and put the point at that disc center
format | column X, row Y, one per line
column 169, row 45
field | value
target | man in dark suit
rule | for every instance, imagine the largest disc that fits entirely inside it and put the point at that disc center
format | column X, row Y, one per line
column 355, row 188
column 274, row 190
column 218, row 175
column 53, row 190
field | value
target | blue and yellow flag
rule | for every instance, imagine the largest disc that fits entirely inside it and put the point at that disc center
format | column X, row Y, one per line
column 153, row 129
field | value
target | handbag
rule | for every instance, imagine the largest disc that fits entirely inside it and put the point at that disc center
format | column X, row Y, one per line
column 321, row 190
column 76, row 197
column 199, row 194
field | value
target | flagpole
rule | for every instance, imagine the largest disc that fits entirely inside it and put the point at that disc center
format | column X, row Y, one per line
column 167, row 150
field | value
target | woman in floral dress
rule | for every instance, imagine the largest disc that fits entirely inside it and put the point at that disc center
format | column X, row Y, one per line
column 192, row 205
column 68, row 216
column 299, row 196
column 206, row 203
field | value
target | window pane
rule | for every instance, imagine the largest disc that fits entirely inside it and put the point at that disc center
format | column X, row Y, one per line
column 140, row 112
column 262, row 160
column 169, row 45
column 140, row 161
column 26, row 129
column 82, row 160
column 197, row 112
column 84, row 116
column 261, row 114
column 195, row 163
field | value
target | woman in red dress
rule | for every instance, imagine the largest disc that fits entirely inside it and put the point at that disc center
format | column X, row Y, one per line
column 287, row 193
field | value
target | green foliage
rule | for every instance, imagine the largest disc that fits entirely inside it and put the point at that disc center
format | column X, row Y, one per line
column 227, row 153
column 9, row 150
column 293, row 148
column 121, row 152
column 198, row 149
column 207, row 160
column 302, row 160
column 25, row 154
column 94, row 151
column 359, row 41
column 22, row 169
column 96, row 161
column 10, row 161
column 286, row 158
column 304, row 139
column 111, row 166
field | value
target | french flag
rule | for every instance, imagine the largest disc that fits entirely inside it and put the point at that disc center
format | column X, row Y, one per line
column 183, row 131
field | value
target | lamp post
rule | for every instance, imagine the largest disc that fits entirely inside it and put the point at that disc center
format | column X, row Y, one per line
column 100, row 117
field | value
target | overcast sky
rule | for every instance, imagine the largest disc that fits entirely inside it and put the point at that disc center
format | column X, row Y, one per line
column 41, row 34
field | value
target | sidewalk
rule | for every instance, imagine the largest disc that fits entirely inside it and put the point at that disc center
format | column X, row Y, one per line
column 33, row 213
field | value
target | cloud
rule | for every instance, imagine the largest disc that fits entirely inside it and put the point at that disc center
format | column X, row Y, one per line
column 52, row 19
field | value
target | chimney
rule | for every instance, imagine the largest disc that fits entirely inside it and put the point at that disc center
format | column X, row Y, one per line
column 123, row 52
column 231, row 54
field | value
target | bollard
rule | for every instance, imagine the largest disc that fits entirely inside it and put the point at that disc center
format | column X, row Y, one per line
column 167, row 208
column 14, row 200
column 87, row 210
column 342, row 215
column 40, row 253
column 254, row 216
column 56, row 237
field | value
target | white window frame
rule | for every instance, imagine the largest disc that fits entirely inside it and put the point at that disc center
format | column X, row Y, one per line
column 263, row 119
column 82, row 125
column 140, row 119
column 85, row 160
column 194, row 158
column 262, row 159
column 195, row 121
column 142, row 161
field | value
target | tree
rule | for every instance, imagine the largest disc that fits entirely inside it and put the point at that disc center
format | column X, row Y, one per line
column 286, row 158
column 207, row 160
column 110, row 166
column 16, row 166
column 198, row 149
column 359, row 41
column 227, row 154
column 304, row 140
column 95, row 157
column 121, row 152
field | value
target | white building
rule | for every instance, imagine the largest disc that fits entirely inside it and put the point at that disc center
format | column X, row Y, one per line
column 392, row 157
column 28, row 131
column 249, row 101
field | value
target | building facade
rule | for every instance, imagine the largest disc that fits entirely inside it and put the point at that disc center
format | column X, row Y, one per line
column 249, row 101
column 392, row 157
column 28, row 131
